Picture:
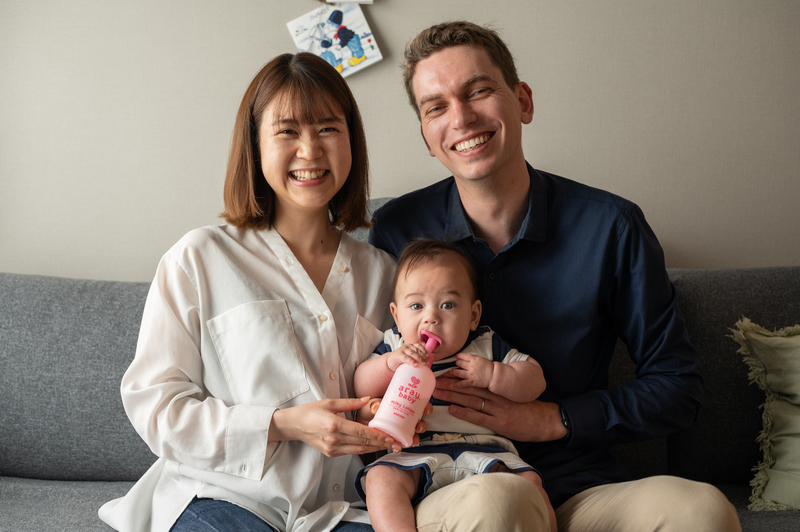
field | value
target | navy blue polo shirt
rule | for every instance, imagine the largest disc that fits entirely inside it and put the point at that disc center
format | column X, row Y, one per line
column 583, row 270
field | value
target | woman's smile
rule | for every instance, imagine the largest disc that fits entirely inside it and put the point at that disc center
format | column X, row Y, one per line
column 307, row 175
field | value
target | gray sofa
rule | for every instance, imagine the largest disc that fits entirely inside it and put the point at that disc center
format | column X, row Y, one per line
column 66, row 445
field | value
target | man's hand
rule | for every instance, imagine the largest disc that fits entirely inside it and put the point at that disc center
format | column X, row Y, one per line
column 535, row 421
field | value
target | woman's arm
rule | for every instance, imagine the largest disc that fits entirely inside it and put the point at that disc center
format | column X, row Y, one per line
column 163, row 390
column 165, row 396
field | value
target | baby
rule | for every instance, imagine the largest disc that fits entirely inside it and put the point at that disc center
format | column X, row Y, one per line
column 435, row 290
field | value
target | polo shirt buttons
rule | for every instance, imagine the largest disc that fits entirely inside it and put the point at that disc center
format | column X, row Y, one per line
column 323, row 317
column 340, row 509
column 337, row 487
column 342, row 269
column 332, row 375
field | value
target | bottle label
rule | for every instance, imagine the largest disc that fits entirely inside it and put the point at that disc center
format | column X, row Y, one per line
column 409, row 393
column 404, row 403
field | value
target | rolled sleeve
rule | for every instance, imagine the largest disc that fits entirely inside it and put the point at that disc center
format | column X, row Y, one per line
column 247, row 449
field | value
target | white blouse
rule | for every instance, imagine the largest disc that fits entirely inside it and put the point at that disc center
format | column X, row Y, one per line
column 233, row 329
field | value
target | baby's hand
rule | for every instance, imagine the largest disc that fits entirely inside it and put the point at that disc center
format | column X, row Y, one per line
column 411, row 354
column 473, row 371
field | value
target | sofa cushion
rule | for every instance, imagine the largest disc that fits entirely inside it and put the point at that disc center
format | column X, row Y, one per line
column 37, row 505
column 64, row 345
column 373, row 205
column 720, row 447
column 751, row 521
column 774, row 362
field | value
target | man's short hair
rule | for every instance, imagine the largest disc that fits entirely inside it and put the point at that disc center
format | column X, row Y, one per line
column 421, row 251
column 457, row 33
column 307, row 88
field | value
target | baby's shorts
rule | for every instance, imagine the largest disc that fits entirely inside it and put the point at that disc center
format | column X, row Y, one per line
column 446, row 462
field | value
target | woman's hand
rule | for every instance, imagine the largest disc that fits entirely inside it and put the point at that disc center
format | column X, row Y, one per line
column 368, row 411
column 318, row 425
column 535, row 421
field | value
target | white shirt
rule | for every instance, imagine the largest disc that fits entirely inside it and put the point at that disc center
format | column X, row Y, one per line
column 233, row 329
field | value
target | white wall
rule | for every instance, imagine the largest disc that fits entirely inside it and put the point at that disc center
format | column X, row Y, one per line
column 115, row 118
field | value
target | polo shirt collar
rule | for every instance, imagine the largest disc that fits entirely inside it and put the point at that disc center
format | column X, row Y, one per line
column 534, row 226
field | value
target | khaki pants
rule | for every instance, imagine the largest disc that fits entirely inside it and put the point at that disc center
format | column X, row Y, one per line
column 504, row 502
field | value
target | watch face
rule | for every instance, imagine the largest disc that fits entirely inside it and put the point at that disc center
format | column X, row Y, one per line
column 564, row 418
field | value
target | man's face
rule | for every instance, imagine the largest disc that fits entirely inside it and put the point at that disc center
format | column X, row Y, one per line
column 470, row 119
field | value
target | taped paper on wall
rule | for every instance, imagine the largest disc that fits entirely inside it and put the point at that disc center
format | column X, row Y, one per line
column 338, row 34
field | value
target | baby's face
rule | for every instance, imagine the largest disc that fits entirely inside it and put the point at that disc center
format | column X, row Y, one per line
column 436, row 297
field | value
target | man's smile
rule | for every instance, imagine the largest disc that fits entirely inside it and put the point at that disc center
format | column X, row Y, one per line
column 471, row 144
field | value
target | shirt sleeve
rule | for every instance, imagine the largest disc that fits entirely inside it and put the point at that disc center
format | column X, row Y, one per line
column 667, row 392
column 164, row 395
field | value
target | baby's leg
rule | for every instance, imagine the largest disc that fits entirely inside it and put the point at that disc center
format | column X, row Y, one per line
column 389, row 492
column 534, row 478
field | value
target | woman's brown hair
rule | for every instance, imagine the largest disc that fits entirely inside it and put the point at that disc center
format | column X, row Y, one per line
column 308, row 88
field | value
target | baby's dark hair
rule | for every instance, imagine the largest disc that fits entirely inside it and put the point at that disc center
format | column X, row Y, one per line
column 427, row 250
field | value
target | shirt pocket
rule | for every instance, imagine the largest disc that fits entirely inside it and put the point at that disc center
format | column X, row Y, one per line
column 365, row 339
column 259, row 353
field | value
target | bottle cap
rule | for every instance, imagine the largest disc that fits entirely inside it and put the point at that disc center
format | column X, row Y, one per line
column 431, row 342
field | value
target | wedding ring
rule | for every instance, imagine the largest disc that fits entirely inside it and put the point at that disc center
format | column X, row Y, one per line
column 483, row 403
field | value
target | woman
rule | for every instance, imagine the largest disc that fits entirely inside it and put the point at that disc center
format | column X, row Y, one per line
column 252, row 330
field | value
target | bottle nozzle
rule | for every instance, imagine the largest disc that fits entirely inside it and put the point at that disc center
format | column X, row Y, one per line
column 431, row 342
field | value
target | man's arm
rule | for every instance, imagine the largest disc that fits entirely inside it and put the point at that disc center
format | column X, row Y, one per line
column 664, row 397
column 667, row 392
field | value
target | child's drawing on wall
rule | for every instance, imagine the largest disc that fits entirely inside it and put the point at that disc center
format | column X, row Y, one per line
column 339, row 34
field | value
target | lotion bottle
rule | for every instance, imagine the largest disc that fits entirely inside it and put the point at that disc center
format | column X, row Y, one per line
column 405, row 399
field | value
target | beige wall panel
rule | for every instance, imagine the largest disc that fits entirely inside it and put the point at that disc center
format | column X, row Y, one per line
column 116, row 117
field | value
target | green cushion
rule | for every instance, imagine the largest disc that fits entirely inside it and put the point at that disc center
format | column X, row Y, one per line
column 774, row 362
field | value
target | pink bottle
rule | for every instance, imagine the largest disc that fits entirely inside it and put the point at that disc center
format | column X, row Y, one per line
column 406, row 397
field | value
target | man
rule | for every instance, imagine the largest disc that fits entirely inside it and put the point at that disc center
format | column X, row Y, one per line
column 565, row 270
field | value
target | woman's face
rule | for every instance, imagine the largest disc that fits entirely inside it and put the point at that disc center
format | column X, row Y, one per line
column 304, row 164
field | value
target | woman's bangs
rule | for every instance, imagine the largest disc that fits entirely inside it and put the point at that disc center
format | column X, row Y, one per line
column 308, row 105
